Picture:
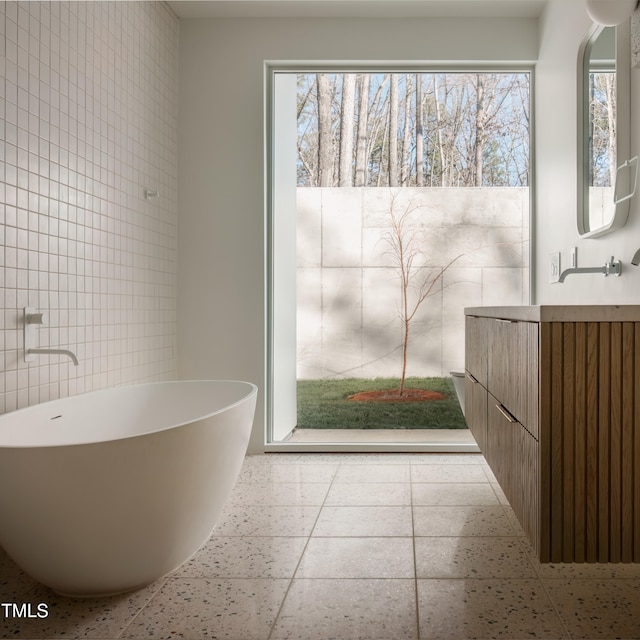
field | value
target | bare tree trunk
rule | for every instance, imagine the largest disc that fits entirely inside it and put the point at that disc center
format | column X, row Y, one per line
column 378, row 122
column 397, row 241
column 405, row 168
column 346, row 129
column 610, row 93
column 361, row 140
column 419, row 134
column 393, row 131
column 381, row 164
column 480, row 129
column 303, row 103
column 325, row 139
column 309, row 169
column 439, row 125
column 406, row 322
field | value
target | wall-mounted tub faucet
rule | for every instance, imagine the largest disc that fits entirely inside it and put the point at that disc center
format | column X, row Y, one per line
column 612, row 268
column 636, row 258
column 31, row 319
column 62, row 352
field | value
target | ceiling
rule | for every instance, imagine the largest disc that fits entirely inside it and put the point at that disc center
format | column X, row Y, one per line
column 356, row 8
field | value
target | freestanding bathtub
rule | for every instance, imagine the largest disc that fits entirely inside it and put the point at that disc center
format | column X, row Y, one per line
column 107, row 491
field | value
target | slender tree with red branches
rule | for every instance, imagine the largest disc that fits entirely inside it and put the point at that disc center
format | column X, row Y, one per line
column 417, row 282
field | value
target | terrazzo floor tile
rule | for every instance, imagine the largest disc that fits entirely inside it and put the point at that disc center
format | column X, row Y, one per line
column 245, row 557
column 448, row 458
column 201, row 608
column 279, row 493
column 453, row 494
column 471, row 557
column 598, row 608
column 448, row 473
column 280, row 472
column 372, row 473
column 515, row 523
column 78, row 618
column 364, row 521
column 500, row 493
column 348, row 610
column 357, row 558
column 461, row 521
column 369, row 494
column 375, row 458
column 471, row 609
column 303, row 472
column 14, row 582
column 322, row 540
column 272, row 521
column 487, row 469
column 585, row 571
column 303, row 458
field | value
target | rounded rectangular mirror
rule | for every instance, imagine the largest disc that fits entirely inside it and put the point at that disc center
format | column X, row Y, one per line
column 605, row 177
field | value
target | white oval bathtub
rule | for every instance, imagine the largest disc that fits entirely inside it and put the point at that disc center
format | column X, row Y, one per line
column 108, row 491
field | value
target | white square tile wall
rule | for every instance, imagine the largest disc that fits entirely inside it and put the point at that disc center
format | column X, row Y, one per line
column 88, row 121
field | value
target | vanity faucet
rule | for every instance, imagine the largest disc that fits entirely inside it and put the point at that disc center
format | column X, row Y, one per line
column 614, row 267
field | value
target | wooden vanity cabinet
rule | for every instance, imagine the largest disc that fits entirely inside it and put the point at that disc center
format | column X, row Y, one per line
column 502, row 385
column 554, row 404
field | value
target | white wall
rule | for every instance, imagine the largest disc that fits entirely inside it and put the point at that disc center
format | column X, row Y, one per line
column 221, row 275
column 88, row 117
column 563, row 27
column 349, row 296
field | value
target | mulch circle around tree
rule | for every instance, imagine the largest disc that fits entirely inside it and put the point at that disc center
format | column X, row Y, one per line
column 393, row 395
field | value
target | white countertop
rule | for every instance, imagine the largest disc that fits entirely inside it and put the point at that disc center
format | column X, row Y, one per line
column 561, row 313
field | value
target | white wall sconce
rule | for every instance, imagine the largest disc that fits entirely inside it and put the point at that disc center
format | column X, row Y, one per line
column 610, row 13
column 151, row 193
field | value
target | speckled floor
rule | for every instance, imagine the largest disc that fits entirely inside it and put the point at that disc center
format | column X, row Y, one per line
column 354, row 546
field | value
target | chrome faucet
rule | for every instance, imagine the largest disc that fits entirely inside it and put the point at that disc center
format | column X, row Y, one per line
column 62, row 352
column 614, row 267
column 636, row 258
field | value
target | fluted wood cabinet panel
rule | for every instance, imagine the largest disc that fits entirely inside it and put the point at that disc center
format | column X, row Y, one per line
column 526, row 501
column 590, row 433
column 500, row 446
column 476, row 352
column 530, row 377
column 476, row 399
column 562, row 432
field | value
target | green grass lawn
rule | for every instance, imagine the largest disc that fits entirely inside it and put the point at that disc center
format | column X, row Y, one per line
column 323, row 404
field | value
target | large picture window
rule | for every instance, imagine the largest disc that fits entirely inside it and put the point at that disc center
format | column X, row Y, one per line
column 406, row 198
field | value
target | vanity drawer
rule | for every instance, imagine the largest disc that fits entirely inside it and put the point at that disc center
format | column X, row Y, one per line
column 476, row 397
column 512, row 369
column 476, row 336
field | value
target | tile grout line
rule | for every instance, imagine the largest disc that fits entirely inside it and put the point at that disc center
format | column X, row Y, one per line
column 530, row 562
column 565, row 628
column 415, row 559
column 165, row 581
column 295, row 571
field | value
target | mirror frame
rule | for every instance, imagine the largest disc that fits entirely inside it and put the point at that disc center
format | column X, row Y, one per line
column 623, row 125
